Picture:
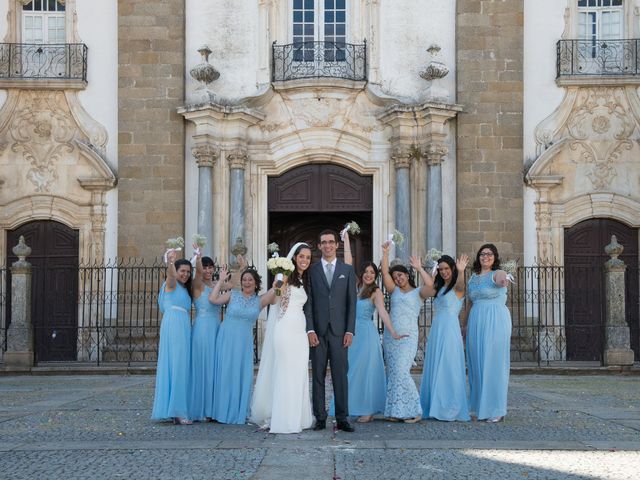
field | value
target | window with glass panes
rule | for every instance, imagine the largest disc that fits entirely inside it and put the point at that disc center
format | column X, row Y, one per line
column 43, row 21
column 319, row 21
column 600, row 19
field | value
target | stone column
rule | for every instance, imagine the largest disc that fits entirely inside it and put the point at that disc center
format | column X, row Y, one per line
column 434, row 153
column 402, row 162
column 237, row 160
column 205, row 155
column 19, row 354
column 617, row 351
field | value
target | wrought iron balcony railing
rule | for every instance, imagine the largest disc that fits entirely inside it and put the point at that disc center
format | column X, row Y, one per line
column 45, row 62
column 597, row 57
column 319, row 60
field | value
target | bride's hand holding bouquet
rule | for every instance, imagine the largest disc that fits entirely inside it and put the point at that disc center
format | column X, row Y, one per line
column 280, row 266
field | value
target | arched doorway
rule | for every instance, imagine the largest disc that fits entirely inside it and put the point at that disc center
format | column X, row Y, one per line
column 308, row 199
column 54, row 294
column 584, row 285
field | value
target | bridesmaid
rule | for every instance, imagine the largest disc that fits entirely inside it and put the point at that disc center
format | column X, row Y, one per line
column 233, row 370
column 488, row 336
column 174, row 352
column 443, row 392
column 366, row 376
column 403, row 401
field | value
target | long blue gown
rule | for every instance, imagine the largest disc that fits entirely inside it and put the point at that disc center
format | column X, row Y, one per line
column 233, row 372
column 366, row 377
column 174, row 355
column 443, row 392
column 203, row 343
column 403, row 400
column 488, row 347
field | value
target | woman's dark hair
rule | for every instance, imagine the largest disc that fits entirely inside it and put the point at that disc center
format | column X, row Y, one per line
column 178, row 263
column 477, row 268
column 402, row 269
column 254, row 273
column 438, row 282
column 208, row 262
column 367, row 290
column 296, row 279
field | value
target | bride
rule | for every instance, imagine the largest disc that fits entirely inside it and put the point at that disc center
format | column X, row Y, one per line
column 281, row 399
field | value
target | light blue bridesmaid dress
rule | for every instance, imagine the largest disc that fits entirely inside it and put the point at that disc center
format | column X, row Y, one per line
column 403, row 400
column 203, row 347
column 233, row 371
column 443, row 392
column 174, row 355
column 366, row 377
column 488, row 347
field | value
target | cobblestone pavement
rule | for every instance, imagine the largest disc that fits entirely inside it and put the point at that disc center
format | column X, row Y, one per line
column 558, row 427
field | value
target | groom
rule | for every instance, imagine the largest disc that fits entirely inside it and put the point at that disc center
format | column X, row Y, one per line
column 331, row 317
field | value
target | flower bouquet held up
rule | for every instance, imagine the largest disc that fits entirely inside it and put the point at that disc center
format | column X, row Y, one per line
column 511, row 269
column 431, row 260
column 280, row 266
column 352, row 228
column 199, row 242
column 173, row 245
column 273, row 248
column 397, row 238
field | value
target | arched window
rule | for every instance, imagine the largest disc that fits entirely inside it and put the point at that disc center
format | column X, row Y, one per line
column 43, row 21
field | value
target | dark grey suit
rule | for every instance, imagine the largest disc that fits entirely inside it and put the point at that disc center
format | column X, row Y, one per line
column 331, row 312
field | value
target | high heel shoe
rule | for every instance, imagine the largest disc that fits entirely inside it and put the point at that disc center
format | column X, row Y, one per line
column 494, row 419
column 182, row 421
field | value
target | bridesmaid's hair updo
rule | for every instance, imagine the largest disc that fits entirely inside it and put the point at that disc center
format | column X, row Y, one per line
column 297, row 280
column 477, row 268
column 178, row 263
column 367, row 290
column 254, row 273
column 402, row 269
column 438, row 282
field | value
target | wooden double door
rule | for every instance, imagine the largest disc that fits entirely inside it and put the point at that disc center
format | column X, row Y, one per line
column 310, row 198
column 54, row 292
column 584, row 285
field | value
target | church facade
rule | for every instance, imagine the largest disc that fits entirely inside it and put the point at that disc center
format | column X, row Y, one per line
column 252, row 121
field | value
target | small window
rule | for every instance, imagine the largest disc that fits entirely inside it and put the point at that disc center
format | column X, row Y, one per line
column 43, row 21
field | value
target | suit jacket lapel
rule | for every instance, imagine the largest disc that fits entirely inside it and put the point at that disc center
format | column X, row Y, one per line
column 322, row 275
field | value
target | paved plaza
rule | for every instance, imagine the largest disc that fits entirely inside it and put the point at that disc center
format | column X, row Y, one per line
column 558, row 427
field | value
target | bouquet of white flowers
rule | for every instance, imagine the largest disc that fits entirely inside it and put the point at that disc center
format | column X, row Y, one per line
column 273, row 248
column 280, row 266
column 511, row 268
column 397, row 238
column 431, row 260
column 173, row 245
column 199, row 240
column 352, row 228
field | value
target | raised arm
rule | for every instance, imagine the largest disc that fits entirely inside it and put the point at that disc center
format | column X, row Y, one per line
column 386, row 277
column 348, row 258
column 270, row 297
column 500, row 278
column 170, row 283
column 378, row 301
column 197, row 284
column 461, row 265
column 427, row 289
column 214, row 296
column 229, row 283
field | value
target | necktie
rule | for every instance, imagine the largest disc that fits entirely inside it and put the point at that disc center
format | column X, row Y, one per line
column 329, row 273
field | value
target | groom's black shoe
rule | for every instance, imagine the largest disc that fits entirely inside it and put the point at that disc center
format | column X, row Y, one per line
column 345, row 426
column 320, row 425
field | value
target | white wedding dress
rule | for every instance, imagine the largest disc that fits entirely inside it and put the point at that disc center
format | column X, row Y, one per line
column 281, row 400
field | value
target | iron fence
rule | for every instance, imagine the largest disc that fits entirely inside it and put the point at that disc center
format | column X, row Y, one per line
column 41, row 61
column 318, row 60
column 115, row 317
column 597, row 57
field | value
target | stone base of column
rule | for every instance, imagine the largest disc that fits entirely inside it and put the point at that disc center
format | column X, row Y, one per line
column 618, row 357
column 18, row 361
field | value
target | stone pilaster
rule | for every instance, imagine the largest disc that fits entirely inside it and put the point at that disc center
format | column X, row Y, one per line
column 617, row 350
column 434, row 154
column 206, row 156
column 237, row 160
column 402, row 159
column 19, row 354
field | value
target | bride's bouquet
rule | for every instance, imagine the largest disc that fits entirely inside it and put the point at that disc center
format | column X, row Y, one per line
column 280, row 266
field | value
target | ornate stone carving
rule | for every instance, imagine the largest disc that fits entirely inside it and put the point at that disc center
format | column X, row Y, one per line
column 237, row 158
column 42, row 131
column 402, row 157
column 603, row 170
column 614, row 250
column 435, row 152
column 239, row 248
column 22, row 251
column 204, row 71
column 315, row 112
column 598, row 111
column 435, row 69
column 205, row 154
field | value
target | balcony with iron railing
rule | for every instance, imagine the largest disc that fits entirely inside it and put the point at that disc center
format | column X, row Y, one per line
column 309, row 60
column 597, row 61
column 43, row 65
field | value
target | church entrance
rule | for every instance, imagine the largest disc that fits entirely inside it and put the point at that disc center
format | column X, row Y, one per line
column 308, row 199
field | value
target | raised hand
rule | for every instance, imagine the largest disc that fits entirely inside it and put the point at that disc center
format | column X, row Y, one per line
column 386, row 246
column 224, row 272
column 171, row 256
column 461, row 262
column 415, row 262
